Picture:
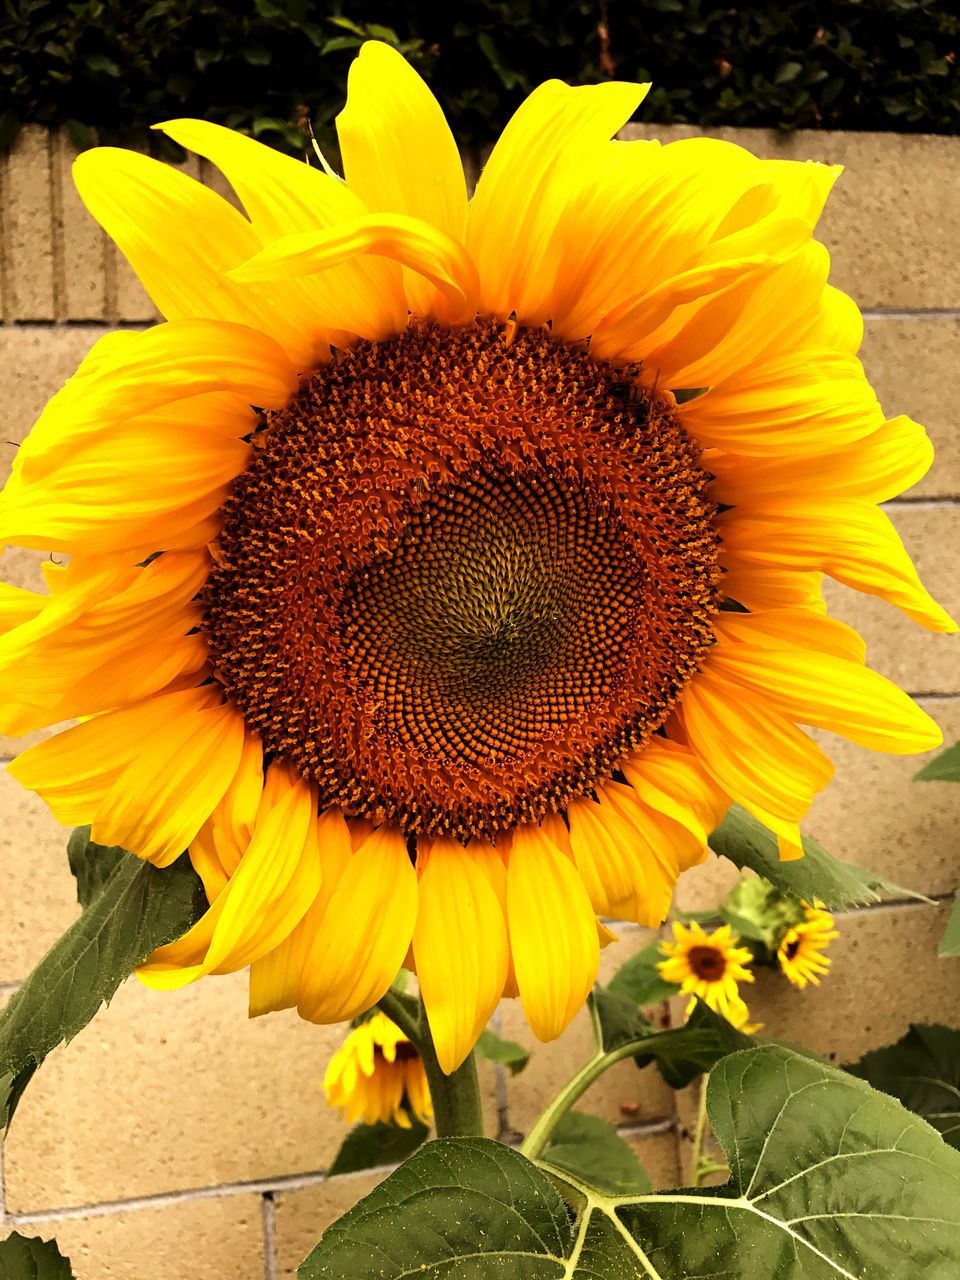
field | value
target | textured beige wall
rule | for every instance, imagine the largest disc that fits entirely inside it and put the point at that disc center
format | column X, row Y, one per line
column 174, row 1138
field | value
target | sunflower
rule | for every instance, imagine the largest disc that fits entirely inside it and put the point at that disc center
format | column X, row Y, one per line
column 440, row 569
column 708, row 965
column 377, row 1076
column 801, row 951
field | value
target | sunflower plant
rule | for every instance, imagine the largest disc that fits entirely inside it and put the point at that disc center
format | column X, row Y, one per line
column 430, row 589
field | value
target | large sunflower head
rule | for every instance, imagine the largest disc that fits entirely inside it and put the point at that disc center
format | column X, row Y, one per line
column 801, row 951
column 709, row 966
column 441, row 568
column 377, row 1076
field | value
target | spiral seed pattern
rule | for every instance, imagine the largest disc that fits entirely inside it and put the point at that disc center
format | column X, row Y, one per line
column 465, row 572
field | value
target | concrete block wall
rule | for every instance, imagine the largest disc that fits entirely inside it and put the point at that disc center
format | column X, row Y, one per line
column 173, row 1137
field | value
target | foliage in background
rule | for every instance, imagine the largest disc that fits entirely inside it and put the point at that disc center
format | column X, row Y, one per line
column 116, row 66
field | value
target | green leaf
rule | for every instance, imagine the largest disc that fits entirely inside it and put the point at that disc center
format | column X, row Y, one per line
column 830, row 1180
column 507, row 1053
column 372, row 1146
column 639, row 979
column 30, row 1258
column 942, row 768
column 457, row 1198
column 593, row 1151
column 130, row 907
column 686, row 1052
column 923, row 1070
column 616, row 1019
column 748, row 844
column 757, row 910
column 950, row 942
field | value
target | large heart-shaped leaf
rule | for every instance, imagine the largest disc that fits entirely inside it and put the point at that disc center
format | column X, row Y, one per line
column 923, row 1070
column 830, row 1180
column 591, row 1149
column 749, row 844
column 129, row 908
column 30, row 1258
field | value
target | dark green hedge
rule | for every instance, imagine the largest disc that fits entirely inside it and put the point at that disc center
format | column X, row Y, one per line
column 114, row 66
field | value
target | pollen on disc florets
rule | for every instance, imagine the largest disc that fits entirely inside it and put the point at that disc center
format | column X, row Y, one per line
column 462, row 576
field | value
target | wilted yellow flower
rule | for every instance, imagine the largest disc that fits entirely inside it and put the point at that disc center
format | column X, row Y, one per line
column 377, row 1075
column 801, row 952
column 709, row 965
column 399, row 553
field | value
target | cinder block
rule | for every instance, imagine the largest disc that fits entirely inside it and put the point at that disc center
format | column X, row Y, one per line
column 623, row 1095
column 220, row 1238
column 913, row 363
column 82, row 244
column 893, row 217
column 28, row 218
column 919, row 661
column 38, row 892
column 303, row 1215
column 199, row 1096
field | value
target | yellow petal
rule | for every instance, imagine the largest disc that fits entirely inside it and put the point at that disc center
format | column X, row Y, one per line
column 830, row 692
column 627, row 332
column 876, row 468
column 365, row 933
column 263, row 901
column 460, row 947
column 534, row 171
column 399, row 155
column 275, row 979
column 283, row 196
column 553, row 934
column 413, row 243
column 147, row 777
column 763, row 587
column 181, row 238
column 786, row 404
column 788, row 628
column 754, row 752
column 703, row 343
column 669, row 778
column 112, row 633
column 851, row 541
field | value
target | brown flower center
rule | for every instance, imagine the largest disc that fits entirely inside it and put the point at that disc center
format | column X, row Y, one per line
column 707, row 963
column 462, row 576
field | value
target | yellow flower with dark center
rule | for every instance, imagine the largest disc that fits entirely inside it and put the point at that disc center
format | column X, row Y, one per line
column 709, row 965
column 377, row 1076
column 801, row 951
column 442, row 567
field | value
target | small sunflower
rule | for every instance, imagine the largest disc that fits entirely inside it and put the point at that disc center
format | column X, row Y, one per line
column 801, row 951
column 377, row 1076
column 709, row 965
column 442, row 568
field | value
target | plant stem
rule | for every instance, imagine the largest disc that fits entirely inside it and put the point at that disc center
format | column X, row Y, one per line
column 699, row 1134
column 539, row 1135
column 401, row 1011
column 456, row 1098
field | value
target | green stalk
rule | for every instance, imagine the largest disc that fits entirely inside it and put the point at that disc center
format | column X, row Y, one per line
column 540, row 1134
column 457, row 1112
